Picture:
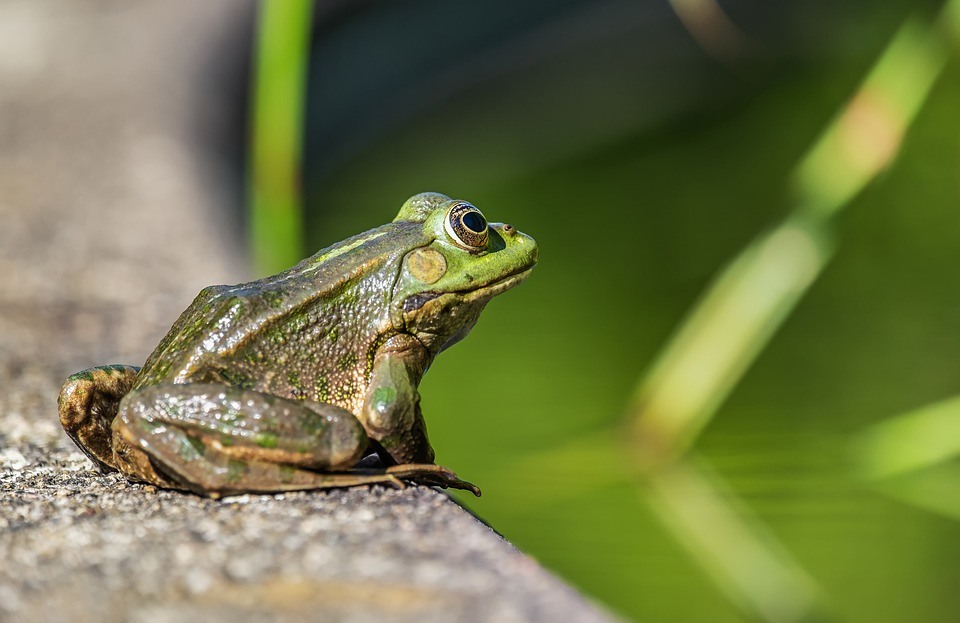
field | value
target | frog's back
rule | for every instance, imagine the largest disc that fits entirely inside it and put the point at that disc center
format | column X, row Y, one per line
column 308, row 332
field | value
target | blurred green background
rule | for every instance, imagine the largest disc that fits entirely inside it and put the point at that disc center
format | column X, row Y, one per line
column 645, row 145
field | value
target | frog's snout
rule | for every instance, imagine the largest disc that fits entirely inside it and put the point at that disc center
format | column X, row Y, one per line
column 521, row 247
column 533, row 251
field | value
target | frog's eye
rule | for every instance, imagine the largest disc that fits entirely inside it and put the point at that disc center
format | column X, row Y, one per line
column 467, row 227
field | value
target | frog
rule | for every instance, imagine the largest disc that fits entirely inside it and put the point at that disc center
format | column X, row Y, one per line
column 307, row 379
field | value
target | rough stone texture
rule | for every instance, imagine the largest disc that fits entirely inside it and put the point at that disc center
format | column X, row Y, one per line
column 108, row 205
column 100, row 549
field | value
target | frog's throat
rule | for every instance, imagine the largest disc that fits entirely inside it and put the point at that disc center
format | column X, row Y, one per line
column 484, row 293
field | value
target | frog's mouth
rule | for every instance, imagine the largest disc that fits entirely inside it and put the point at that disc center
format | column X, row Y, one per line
column 481, row 293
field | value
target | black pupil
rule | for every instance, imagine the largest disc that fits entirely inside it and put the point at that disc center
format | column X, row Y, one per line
column 475, row 222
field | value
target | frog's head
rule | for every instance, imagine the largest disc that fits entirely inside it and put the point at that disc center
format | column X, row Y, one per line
column 445, row 284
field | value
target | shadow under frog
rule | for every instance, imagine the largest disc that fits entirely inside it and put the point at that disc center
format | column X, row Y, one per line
column 288, row 382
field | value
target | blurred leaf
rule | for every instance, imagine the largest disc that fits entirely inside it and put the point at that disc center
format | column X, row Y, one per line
column 714, row 30
column 747, row 562
column 751, row 298
column 866, row 136
column 738, row 315
column 910, row 442
column 726, row 331
column 933, row 489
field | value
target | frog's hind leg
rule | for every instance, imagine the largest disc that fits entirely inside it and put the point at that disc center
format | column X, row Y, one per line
column 216, row 440
column 88, row 403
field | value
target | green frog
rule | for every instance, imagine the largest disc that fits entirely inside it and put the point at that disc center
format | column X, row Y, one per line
column 306, row 379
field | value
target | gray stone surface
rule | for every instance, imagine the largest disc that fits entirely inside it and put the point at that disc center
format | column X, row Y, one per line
column 79, row 546
column 108, row 227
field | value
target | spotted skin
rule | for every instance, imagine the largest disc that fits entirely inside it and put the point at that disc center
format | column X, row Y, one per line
column 288, row 382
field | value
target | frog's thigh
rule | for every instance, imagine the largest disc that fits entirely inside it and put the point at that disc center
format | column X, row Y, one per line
column 214, row 439
column 88, row 404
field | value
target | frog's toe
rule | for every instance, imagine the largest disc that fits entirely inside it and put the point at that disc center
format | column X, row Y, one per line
column 432, row 475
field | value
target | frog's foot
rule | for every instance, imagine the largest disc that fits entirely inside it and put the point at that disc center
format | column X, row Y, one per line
column 430, row 474
column 88, row 403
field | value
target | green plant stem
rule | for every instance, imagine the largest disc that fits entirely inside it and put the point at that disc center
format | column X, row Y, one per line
column 752, row 297
column 746, row 562
column 909, row 442
column 741, row 311
column 279, row 93
column 722, row 337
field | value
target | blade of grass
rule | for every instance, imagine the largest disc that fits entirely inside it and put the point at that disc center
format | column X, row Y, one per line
column 722, row 337
column 279, row 93
column 744, row 560
column 740, row 312
column 712, row 28
column 754, row 294
column 864, row 139
column 910, row 442
column 932, row 490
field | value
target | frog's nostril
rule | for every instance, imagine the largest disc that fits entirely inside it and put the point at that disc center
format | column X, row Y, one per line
column 509, row 230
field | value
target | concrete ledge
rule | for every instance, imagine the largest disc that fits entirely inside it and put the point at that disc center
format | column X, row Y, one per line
column 81, row 546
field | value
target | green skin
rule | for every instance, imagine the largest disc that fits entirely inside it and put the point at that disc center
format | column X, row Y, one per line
column 288, row 382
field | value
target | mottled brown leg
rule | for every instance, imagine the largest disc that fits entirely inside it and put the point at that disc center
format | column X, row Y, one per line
column 216, row 440
column 88, row 403
column 211, row 470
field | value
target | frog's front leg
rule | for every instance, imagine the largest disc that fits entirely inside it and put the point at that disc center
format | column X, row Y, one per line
column 216, row 440
column 391, row 414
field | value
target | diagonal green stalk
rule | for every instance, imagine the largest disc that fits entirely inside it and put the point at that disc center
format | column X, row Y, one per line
column 722, row 337
column 752, row 297
column 912, row 457
column 279, row 94
column 916, row 440
column 745, row 561
column 741, row 311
